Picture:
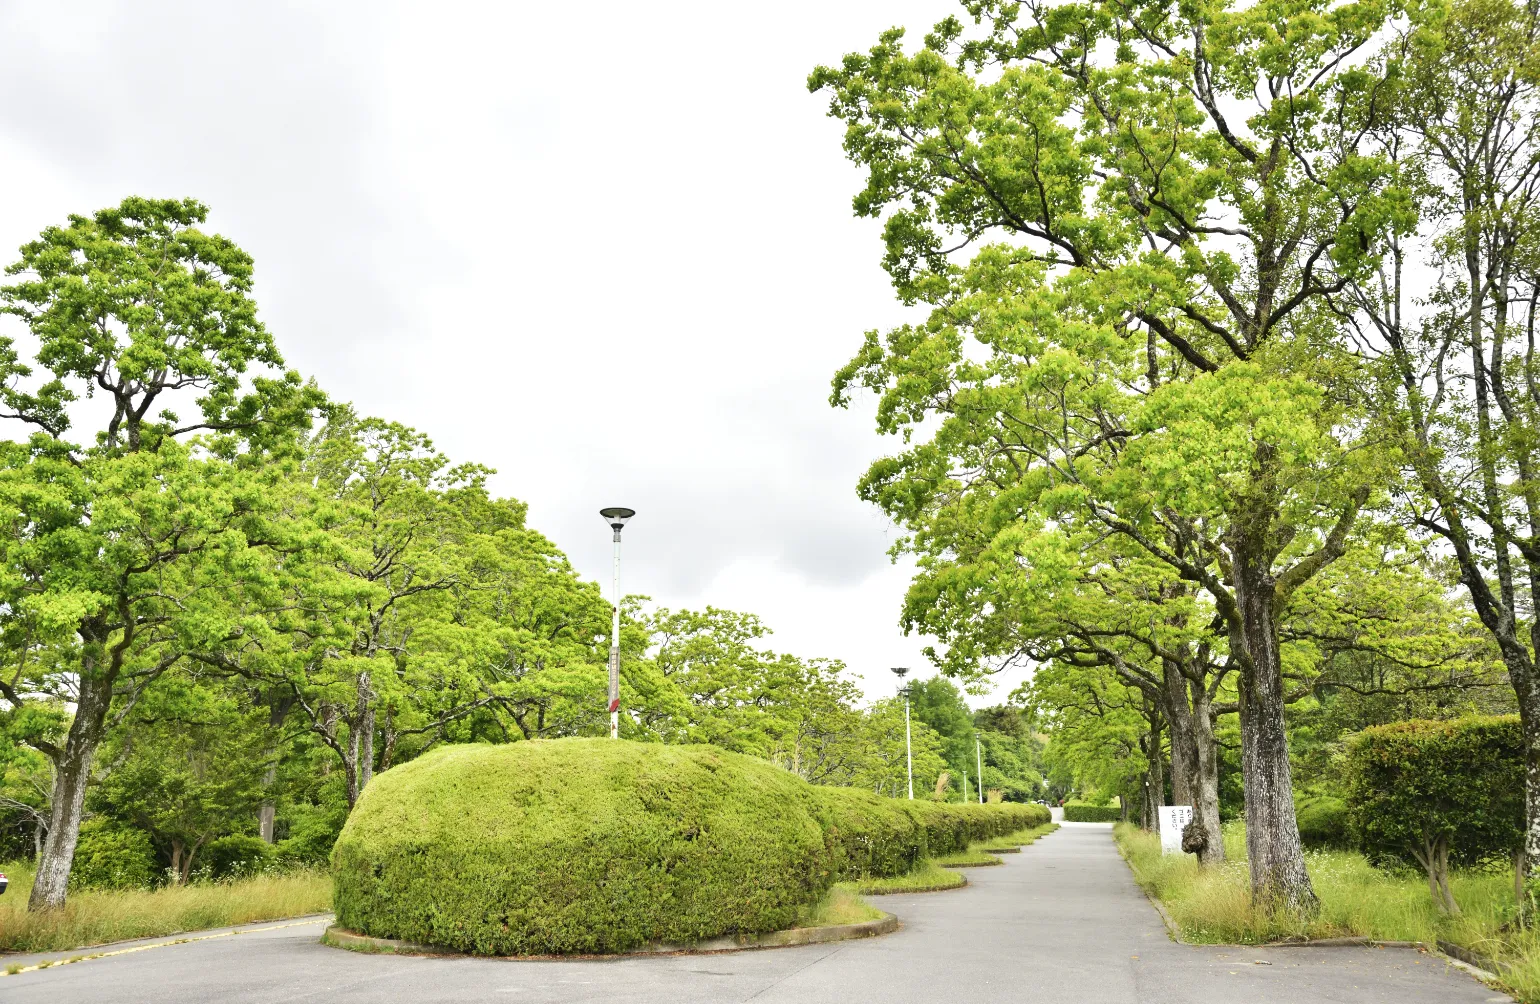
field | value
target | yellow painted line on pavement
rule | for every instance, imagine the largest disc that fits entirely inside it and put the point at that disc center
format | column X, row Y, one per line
column 50, row 963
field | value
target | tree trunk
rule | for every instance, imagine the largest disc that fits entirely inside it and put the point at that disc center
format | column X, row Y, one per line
column 1521, row 674
column 1194, row 757
column 267, row 815
column 187, row 862
column 364, row 766
column 1278, row 875
column 1184, row 754
column 1519, row 876
column 176, row 861
column 1433, row 890
column 1205, row 803
column 366, row 750
column 1433, row 855
column 72, row 771
column 1450, row 906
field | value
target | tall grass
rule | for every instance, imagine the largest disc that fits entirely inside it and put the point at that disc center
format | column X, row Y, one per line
column 94, row 918
column 841, row 905
column 1213, row 905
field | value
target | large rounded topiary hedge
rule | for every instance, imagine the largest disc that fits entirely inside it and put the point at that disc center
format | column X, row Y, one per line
column 593, row 845
column 578, row 845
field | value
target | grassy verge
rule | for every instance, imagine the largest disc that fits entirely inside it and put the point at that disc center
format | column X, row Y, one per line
column 927, row 877
column 842, row 905
column 95, row 918
column 1213, row 906
column 973, row 857
column 1020, row 838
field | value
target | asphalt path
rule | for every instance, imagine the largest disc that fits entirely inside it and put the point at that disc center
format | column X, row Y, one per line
column 1062, row 921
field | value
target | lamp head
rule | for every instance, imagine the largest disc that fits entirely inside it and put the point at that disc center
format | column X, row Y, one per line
column 900, row 671
column 616, row 517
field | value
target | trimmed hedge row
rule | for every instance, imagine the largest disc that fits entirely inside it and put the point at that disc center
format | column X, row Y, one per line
column 595, row 846
column 1074, row 813
column 871, row 836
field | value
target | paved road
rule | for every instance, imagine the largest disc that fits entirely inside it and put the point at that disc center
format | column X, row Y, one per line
column 1062, row 921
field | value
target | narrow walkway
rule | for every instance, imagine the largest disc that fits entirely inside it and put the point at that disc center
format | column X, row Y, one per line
column 1062, row 921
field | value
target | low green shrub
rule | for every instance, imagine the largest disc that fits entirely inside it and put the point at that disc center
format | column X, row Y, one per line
column 1076, row 812
column 1323, row 822
column 579, row 845
column 1442, row 793
column 237, row 856
column 112, row 856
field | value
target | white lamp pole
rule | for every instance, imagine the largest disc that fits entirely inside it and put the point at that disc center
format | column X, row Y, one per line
column 978, row 756
column 908, row 745
column 616, row 518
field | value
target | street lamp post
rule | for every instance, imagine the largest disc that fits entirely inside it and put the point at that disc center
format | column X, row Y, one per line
column 978, row 756
column 901, row 672
column 616, row 517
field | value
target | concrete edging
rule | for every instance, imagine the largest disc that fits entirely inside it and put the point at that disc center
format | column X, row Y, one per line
column 1478, row 964
column 339, row 937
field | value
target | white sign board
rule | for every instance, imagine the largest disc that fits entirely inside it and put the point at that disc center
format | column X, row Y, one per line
column 1173, row 820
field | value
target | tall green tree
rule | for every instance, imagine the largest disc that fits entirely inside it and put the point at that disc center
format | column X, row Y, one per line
column 1106, row 731
column 535, row 636
column 186, row 769
column 1151, row 351
column 120, row 515
column 939, row 704
column 1462, row 380
column 414, row 601
column 707, row 679
column 1013, row 754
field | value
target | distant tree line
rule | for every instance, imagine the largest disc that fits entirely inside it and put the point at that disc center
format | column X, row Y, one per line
column 227, row 602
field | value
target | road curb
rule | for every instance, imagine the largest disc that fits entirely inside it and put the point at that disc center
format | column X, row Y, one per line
column 1348, row 942
column 1482, row 966
column 340, row 937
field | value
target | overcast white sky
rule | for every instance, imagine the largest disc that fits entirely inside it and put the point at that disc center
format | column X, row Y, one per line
column 606, row 248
